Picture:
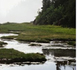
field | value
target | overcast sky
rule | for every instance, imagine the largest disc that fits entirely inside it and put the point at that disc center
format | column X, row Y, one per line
column 19, row 10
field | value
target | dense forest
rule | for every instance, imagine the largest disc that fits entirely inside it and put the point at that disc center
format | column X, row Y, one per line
column 57, row 12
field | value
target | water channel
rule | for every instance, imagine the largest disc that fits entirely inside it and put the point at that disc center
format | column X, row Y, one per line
column 59, row 56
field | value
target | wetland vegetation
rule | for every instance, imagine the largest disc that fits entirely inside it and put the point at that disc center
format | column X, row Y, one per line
column 11, row 56
column 38, row 33
column 56, row 35
column 54, row 28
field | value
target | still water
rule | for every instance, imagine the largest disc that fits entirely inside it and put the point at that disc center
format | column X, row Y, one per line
column 53, row 52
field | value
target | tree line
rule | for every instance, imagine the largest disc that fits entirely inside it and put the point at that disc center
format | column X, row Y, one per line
column 57, row 12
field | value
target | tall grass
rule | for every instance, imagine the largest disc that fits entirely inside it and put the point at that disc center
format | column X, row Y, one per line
column 30, row 32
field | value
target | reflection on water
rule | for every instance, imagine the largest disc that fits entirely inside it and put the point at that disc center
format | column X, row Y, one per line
column 60, row 65
column 60, row 52
column 46, row 66
column 57, row 59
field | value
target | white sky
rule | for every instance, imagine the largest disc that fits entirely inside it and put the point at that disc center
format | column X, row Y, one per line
column 19, row 10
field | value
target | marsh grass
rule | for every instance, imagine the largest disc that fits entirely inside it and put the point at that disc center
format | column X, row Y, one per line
column 39, row 33
column 12, row 55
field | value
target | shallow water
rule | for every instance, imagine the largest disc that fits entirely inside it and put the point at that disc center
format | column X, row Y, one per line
column 23, row 47
column 53, row 62
column 46, row 66
column 7, row 34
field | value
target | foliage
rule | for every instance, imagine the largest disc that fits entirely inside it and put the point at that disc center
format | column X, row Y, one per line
column 57, row 12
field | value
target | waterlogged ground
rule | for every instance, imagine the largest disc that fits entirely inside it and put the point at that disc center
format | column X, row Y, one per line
column 54, row 52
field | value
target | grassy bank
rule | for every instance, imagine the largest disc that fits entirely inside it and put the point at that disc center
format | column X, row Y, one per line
column 12, row 55
column 39, row 33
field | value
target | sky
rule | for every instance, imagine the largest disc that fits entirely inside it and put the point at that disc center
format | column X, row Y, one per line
column 19, row 10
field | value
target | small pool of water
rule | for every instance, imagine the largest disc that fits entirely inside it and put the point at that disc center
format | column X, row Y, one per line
column 8, row 34
column 23, row 47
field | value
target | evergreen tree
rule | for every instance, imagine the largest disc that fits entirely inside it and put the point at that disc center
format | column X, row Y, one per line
column 58, row 12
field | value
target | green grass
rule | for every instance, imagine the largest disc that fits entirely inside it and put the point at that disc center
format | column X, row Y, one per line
column 39, row 33
column 16, row 56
